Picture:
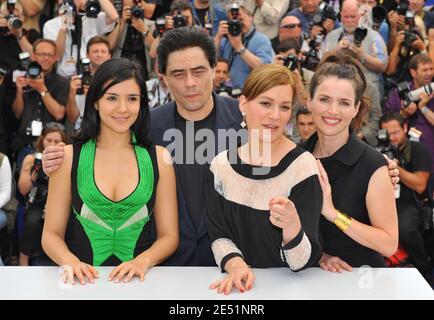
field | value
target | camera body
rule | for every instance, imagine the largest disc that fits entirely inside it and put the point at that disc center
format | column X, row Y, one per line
column 27, row 67
column 385, row 146
column 359, row 35
column 290, row 61
column 86, row 75
column 178, row 20
column 403, row 90
column 409, row 37
column 311, row 57
column 402, row 7
column 93, row 8
column 137, row 11
column 226, row 90
column 13, row 21
column 378, row 16
column 160, row 26
column 235, row 27
column 325, row 12
column 39, row 190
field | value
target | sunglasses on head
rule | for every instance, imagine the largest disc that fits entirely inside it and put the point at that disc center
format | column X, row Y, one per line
column 291, row 26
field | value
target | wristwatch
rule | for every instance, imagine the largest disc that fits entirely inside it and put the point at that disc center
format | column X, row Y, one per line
column 242, row 51
column 145, row 33
column 424, row 110
column 20, row 36
column 44, row 93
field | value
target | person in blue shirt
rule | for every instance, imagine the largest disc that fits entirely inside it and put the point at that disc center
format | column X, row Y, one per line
column 244, row 51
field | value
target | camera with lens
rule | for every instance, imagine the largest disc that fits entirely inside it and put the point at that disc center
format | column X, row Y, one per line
column 86, row 75
column 226, row 90
column 93, row 8
column 413, row 96
column 385, row 146
column 311, row 57
column 137, row 11
column 359, row 36
column 160, row 27
column 402, row 7
column 34, row 70
column 235, row 26
column 378, row 16
column 13, row 21
column 29, row 68
column 290, row 61
column 407, row 51
column 325, row 11
column 179, row 20
column 39, row 191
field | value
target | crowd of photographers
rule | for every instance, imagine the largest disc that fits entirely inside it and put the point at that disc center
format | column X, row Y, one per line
column 50, row 50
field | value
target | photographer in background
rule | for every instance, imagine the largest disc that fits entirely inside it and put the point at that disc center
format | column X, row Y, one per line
column 98, row 51
column 414, row 166
column 208, row 14
column 290, row 56
column 422, row 71
column 406, row 41
column 306, row 13
column 79, row 20
column 370, row 50
column 46, row 99
column 33, row 184
column 241, row 44
column 181, row 15
column 132, row 37
column 290, row 28
column 13, row 38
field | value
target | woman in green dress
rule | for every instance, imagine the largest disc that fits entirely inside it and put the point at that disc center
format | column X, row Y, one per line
column 112, row 186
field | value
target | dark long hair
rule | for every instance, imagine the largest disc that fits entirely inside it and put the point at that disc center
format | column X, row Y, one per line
column 107, row 75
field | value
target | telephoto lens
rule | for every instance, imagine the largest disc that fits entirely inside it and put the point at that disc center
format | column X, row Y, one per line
column 34, row 70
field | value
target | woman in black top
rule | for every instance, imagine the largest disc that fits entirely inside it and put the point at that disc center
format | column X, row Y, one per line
column 359, row 219
column 264, row 198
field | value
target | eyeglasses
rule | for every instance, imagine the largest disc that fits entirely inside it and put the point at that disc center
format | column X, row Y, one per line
column 291, row 26
column 45, row 55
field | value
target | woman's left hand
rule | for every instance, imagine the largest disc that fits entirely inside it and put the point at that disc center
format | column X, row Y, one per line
column 328, row 209
column 130, row 269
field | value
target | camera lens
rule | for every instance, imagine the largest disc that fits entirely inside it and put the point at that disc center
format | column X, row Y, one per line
column 234, row 28
column 34, row 70
column 15, row 22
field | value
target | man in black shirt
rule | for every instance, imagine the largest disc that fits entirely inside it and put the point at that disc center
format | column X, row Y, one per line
column 414, row 168
column 190, row 127
column 39, row 99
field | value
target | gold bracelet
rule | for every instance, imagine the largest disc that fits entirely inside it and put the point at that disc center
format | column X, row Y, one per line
column 343, row 221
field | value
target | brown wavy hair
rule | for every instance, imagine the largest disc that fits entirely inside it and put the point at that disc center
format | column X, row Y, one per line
column 345, row 67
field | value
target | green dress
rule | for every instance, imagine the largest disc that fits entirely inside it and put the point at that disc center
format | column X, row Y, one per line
column 104, row 232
